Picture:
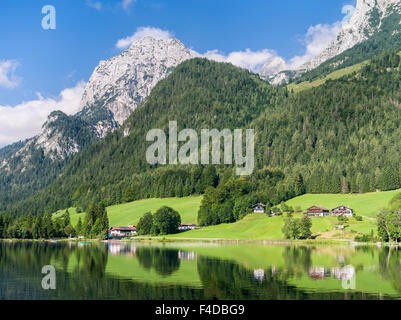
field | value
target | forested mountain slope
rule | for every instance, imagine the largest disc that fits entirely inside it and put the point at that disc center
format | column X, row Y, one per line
column 116, row 87
column 340, row 137
column 27, row 167
column 373, row 29
column 198, row 94
column 386, row 38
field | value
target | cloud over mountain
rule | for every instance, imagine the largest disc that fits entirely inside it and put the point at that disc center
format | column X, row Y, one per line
column 142, row 32
column 25, row 120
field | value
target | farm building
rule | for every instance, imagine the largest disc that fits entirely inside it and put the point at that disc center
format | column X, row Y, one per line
column 342, row 211
column 316, row 211
column 187, row 227
column 123, row 231
column 259, row 208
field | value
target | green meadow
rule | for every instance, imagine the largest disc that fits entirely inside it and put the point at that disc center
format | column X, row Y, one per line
column 257, row 226
column 262, row 227
column 297, row 87
column 367, row 204
column 130, row 213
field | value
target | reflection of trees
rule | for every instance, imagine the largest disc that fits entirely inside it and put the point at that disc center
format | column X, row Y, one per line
column 21, row 265
column 94, row 260
column 390, row 265
column 228, row 280
column 164, row 261
column 298, row 260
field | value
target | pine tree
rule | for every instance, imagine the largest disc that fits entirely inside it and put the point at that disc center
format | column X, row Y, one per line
column 78, row 228
column 299, row 187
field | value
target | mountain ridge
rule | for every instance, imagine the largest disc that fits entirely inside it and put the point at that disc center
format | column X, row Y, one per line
column 366, row 21
column 353, row 152
column 116, row 88
column 119, row 85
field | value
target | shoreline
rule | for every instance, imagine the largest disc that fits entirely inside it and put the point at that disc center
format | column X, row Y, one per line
column 309, row 242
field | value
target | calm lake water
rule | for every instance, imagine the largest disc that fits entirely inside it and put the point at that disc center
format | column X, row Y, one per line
column 199, row 271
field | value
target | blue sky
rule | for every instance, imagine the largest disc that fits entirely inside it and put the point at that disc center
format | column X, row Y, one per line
column 37, row 65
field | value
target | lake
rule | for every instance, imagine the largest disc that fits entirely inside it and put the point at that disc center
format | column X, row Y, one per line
column 194, row 271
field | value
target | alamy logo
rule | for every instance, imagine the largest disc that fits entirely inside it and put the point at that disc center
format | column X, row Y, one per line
column 49, row 20
column 49, row 280
column 188, row 153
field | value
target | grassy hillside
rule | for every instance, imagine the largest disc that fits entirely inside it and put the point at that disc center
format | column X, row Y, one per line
column 130, row 213
column 261, row 227
column 256, row 226
column 364, row 204
column 297, row 87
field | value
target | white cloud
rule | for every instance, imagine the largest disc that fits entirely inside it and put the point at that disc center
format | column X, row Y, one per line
column 268, row 62
column 126, row 4
column 315, row 40
column 8, row 79
column 94, row 4
column 142, row 32
column 319, row 36
column 248, row 59
column 26, row 119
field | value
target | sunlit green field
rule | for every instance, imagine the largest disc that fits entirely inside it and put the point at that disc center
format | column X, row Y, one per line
column 367, row 204
column 258, row 226
column 296, row 87
column 130, row 213
column 254, row 226
column 261, row 227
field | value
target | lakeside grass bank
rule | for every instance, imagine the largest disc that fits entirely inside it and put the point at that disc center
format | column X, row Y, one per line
column 256, row 227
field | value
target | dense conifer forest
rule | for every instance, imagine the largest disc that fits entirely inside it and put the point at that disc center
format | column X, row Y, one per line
column 30, row 170
column 341, row 137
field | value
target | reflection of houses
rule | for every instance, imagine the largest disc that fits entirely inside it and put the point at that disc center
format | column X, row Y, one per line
column 123, row 231
column 318, row 273
column 342, row 211
column 185, row 255
column 345, row 273
column 259, row 274
column 316, row 211
column 116, row 249
column 187, row 227
column 259, row 208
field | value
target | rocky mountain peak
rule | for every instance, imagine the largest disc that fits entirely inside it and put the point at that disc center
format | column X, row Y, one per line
column 366, row 20
column 52, row 140
column 272, row 67
column 119, row 85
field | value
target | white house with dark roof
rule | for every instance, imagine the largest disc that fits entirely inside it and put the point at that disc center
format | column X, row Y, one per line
column 259, row 208
column 342, row 211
